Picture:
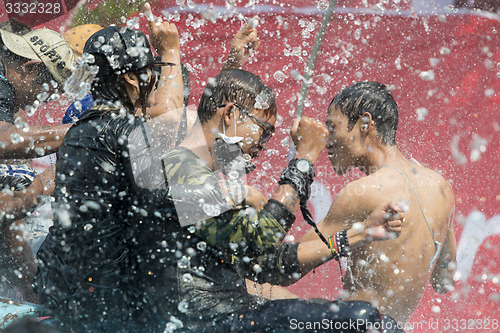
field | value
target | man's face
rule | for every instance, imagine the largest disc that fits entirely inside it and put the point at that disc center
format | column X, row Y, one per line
column 251, row 128
column 341, row 142
column 36, row 83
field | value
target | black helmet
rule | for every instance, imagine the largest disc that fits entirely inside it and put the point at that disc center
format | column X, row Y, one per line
column 125, row 50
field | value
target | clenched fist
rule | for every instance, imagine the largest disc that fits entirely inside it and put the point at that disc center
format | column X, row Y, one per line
column 309, row 137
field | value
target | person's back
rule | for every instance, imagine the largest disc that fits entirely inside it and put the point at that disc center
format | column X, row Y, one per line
column 95, row 212
column 397, row 271
column 89, row 275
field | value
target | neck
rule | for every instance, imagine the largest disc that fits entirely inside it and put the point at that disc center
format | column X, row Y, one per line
column 200, row 141
column 379, row 156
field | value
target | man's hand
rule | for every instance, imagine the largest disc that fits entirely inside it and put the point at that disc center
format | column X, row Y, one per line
column 47, row 180
column 254, row 198
column 309, row 137
column 163, row 36
column 244, row 43
column 385, row 222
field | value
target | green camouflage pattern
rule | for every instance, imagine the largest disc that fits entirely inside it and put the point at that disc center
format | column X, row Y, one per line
column 250, row 237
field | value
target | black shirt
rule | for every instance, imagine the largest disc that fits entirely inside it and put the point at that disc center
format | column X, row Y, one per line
column 7, row 97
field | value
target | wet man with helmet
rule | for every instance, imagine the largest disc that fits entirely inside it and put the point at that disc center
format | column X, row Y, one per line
column 86, row 264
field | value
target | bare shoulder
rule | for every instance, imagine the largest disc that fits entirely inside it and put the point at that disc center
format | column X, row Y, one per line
column 357, row 200
column 431, row 178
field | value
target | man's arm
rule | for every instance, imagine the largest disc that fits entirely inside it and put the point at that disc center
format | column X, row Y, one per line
column 15, row 204
column 383, row 223
column 442, row 276
column 354, row 203
column 38, row 141
column 168, row 96
column 244, row 43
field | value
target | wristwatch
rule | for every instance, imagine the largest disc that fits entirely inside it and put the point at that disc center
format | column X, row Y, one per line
column 299, row 173
column 303, row 165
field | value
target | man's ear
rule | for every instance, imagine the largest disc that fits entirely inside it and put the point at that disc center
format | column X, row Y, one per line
column 228, row 114
column 31, row 66
column 365, row 122
column 132, row 80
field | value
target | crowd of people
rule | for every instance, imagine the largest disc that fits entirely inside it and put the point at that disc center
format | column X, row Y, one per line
column 154, row 228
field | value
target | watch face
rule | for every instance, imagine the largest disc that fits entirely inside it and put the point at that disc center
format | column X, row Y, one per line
column 303, row 165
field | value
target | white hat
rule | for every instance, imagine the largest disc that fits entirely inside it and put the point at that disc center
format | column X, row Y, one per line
column 45, row 45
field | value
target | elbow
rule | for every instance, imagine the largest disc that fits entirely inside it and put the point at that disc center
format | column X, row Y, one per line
column 444, row 286
column 444, row 283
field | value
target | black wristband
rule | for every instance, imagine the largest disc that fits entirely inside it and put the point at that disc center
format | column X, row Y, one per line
column 290, row 260
column 343, row 243
column 280, row 212
column 300, row 181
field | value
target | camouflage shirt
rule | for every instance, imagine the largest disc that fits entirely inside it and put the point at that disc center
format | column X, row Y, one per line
column 238, row 243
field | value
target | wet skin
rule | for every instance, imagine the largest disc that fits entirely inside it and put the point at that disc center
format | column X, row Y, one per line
column 391, row 274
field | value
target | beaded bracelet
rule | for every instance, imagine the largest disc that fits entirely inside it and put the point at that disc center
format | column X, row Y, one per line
column 342, row 243
column 333, row 248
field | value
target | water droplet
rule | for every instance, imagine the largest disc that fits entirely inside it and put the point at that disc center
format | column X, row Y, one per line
column 16, row 138
column 279, row 76
column 211, row 210
column 249, row 141
column 421, row 113
column 183, row 307
column 427, row 75
column 183, row 262
column 323, row 5
column 202, row 246
column 445, row 51
column 187, row 278
column 357, row 34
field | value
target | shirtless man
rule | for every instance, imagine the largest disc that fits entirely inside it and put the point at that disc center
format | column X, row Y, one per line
column 362, row 122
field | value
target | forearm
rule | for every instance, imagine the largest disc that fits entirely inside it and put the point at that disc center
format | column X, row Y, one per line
column 315, row 252
column 269, row 291
column 38, row 141
column 16, row 204
column 286, row 195
column 169, row 93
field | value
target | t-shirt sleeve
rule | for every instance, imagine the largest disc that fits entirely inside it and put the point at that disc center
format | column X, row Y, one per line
column 255, row 241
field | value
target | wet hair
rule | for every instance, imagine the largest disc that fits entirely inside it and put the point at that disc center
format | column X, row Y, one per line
column 112, row 86
column 236, row 86
column 15, row 27
column 44, row 75
column 374, row 98
column 186, row 92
